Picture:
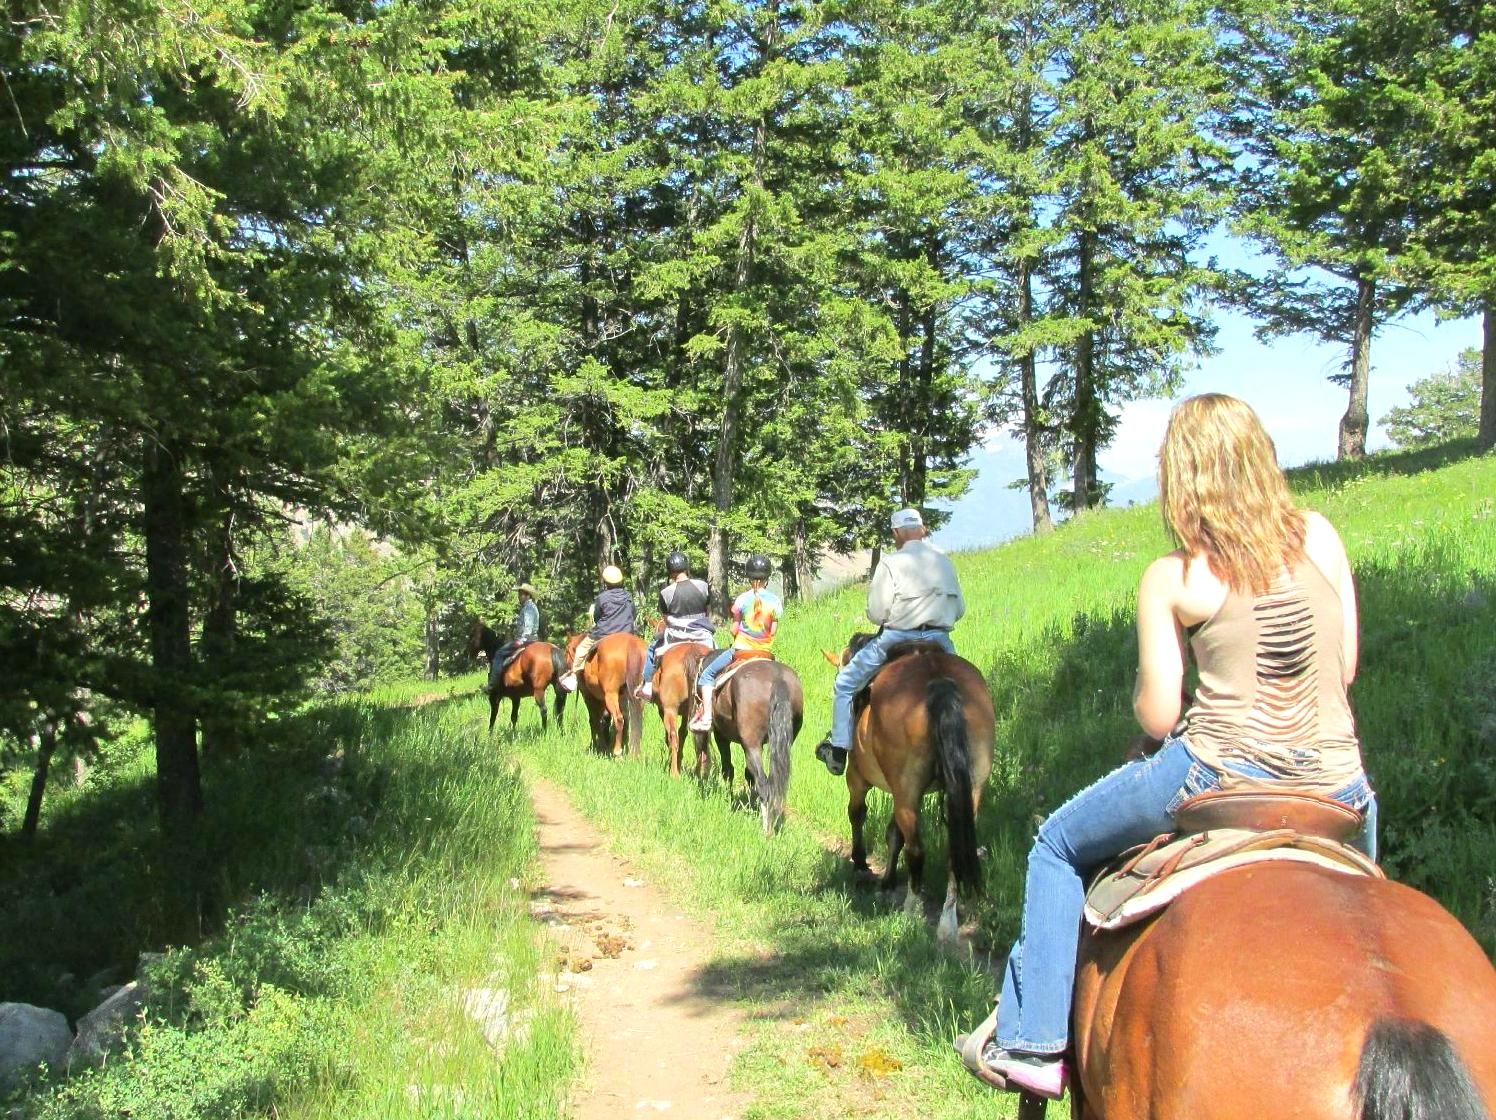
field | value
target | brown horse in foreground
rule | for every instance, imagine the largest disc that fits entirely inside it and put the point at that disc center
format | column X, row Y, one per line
column 607, row 683
column 928, row 724
column 675, row 694
column 760, row 704
column 1286, row 990
column 537, row 668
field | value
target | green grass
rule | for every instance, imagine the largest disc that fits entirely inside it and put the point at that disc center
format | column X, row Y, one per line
column 834, row 979
column 373, row 865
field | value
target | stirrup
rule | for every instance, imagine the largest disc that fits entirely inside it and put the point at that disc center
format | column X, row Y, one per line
column 701, row 721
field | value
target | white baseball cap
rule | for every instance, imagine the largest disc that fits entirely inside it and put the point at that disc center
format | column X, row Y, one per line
column 906, row 519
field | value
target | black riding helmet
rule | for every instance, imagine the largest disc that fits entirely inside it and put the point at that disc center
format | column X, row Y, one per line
column 758, row 566
column 676, row 563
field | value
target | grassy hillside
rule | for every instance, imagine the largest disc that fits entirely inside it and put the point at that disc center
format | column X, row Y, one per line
column 371, row 875
column 853, row 1006
column 1050, row 623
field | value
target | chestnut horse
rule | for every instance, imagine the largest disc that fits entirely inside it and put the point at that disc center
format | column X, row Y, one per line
column 1284, row 989
column 675, row 694
column 537, row 668
column 607, row 682
column 760, row 704
column 928, row 723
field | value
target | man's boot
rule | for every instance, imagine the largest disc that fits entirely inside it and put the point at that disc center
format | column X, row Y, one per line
column 702, row 720
column 568, row 680
column 833, row 756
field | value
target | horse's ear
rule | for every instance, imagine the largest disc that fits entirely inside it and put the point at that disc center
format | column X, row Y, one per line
column 831, row 657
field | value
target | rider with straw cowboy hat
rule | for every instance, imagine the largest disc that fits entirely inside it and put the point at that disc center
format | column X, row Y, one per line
column 526, row 630
column 612, row 612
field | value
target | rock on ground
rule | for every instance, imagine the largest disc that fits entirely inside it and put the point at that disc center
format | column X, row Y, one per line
column 29, row 1036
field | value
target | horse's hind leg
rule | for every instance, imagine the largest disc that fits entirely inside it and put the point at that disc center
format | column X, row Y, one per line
column 539, row 695
column 758, row 782
column 724, row 752
column 671, row 719
column 513, row 712
column 895, row 840
column 907, row 820
column 947, row 928
column 857, row 816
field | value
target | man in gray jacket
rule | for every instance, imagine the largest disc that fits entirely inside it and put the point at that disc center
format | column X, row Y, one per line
column 914, row 597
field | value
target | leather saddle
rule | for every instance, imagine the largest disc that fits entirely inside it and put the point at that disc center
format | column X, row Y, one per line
column 519, row 648
column 1218, row 831
column 895, row 652
column 741, row 657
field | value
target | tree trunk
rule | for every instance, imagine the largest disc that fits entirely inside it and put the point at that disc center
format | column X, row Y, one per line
column 433, row 641
column 921, row 420
column 724, row 466
column 1487, row 436
column 874, row 560
column 220, row 635
column 45, row 745
column 1354, row 423
column 1033, row 429
column 179, row 795
column 1084, row 425
column 803, row 561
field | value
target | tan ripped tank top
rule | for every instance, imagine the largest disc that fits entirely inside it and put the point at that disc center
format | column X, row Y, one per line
column 1271, row 695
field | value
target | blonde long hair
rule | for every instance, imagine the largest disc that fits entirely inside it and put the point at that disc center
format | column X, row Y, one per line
column 1223, row 494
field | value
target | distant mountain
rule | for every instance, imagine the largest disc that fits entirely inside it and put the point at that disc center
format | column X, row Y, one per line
column 990, row 513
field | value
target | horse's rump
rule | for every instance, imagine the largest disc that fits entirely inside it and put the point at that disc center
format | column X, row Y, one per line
column 1255, row 994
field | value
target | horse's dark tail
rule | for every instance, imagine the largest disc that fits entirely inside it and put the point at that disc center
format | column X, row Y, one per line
column 558, row 670
column 1410, row 1071
column 633, row 679
column 947, row 716
column 781, row 736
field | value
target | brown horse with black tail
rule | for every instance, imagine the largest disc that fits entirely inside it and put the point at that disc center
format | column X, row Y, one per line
column 928, row 723
column 1285, row 989
column 537, row 666
column 613, row 672
column 760, row 705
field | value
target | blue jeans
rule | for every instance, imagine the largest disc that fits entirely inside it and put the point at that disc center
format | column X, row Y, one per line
column 854, row 675
column 496, row 664
column 1129, row 806
column 710, row 670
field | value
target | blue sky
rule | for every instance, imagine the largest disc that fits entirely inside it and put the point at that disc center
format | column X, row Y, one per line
column 1284, row 380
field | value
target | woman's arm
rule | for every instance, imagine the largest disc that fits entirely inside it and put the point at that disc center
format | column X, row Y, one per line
column 1327, row 552
column 1156, row 698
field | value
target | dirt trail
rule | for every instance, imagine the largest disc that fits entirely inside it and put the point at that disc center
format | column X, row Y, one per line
column 654, row 1042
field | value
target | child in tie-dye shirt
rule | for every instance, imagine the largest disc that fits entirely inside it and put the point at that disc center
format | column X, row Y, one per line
column 755, row 621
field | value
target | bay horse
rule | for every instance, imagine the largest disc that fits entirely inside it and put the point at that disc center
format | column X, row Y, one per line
column 675, row 695
column 928, row 723
column 761, row 704
column 537, row 667
column 607, row 682
column 1285, row 989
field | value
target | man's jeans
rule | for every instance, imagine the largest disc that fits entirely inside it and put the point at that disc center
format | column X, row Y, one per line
column 1129, row 806
column 496, row 666
column 854, row 675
